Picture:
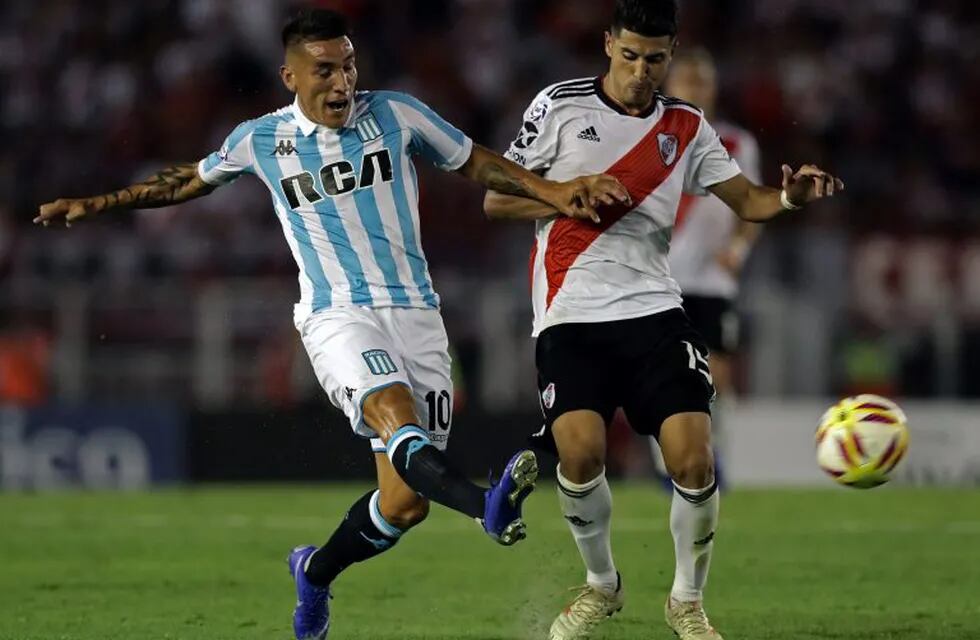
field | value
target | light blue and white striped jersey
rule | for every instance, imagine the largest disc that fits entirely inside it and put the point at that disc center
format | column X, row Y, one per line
column 347, row 198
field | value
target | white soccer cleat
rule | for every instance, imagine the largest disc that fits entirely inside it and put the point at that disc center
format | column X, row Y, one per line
column 590, row 607
column 688, row 621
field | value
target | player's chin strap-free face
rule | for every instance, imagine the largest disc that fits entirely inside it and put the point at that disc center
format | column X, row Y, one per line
column 637, row 65
column 320, row 72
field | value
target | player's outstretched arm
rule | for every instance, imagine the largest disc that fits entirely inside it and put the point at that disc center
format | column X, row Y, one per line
column 172, row 185
column 601, row 189
column 573, row 198
column 500, row 206
column 756, row 203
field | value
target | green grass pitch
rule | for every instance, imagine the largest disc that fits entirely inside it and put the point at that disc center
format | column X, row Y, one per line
column 209, row 564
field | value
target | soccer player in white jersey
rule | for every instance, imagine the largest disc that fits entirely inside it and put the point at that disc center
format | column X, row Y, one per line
column 607, row 315
column 338, row 164
column 709, row 245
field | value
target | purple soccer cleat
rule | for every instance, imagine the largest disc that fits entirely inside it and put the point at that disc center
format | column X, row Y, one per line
column 311, row 618
column 502, row 513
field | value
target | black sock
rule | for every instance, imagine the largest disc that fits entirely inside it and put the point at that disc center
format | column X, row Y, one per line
column 427, row 470
column 359, row 537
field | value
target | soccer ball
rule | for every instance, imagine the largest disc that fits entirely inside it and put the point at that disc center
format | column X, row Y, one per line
column 861, row 439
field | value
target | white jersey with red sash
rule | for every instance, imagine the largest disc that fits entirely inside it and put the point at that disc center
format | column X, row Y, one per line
column 618, row 269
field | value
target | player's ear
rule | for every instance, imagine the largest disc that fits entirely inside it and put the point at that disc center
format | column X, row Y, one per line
column 609, row 43
column 288, row 79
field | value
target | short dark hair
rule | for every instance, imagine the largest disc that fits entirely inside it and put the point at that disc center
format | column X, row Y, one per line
column 309, row 25
column 651, row 18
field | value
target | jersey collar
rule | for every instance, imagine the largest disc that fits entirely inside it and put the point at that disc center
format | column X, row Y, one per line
column 612, row 104
column 307, row 126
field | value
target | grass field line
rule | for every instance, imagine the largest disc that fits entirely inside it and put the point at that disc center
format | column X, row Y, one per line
column 442, row 525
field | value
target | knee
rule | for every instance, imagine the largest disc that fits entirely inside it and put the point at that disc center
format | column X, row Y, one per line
column 406, row 514
column 695, row 469
column 581, row 465
column 581, row 440
column 387, row 398
column 388, row 409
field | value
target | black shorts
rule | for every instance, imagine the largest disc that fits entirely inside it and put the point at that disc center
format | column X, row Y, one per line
column 716, row 320
column 653, row 367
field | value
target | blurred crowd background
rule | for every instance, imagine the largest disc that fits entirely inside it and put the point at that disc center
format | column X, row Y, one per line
column 878, row 289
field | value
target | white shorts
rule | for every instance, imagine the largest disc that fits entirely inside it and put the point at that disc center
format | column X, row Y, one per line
column 358, row 350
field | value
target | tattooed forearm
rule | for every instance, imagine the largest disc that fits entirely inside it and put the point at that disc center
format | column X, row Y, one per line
column 170, row 186
column 495, row 177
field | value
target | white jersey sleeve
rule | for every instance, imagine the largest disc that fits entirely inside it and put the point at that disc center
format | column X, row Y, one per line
column 536, row 145
column 710, row 162
column 233, row 159
column 433, row 137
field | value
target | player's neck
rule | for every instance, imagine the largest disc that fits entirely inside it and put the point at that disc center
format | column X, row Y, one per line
column 607, row 89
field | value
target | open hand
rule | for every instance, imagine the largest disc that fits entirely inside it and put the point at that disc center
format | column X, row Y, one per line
column 582, row 195
column 70, row 209
column 605, row 189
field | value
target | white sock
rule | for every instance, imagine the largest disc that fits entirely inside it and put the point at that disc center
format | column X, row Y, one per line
column 588, row 510
column 693, row 518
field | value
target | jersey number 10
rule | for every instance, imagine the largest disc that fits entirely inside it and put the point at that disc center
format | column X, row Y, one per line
column 440, row 409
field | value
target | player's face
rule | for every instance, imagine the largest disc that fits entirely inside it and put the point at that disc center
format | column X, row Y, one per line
column 694, row 81
column 637, row 66
column 322, row 74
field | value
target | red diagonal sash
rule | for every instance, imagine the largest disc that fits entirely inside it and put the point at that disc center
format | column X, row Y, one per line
column 641, row 171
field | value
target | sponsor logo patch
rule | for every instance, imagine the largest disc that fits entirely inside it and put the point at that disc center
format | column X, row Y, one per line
column 368, row 128
column 589, row 134
column 539, row 110
column 284, row 148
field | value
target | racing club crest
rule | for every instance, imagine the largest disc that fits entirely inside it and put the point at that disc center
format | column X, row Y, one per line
column 668, row 147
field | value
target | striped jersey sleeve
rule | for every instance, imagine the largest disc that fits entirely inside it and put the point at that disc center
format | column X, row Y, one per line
column 232, row 159
column 432, row 137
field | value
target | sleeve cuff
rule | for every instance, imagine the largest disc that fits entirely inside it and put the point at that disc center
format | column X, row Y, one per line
column 215, row 177
column 203, row 175
column 729, row 173
column 461, row 156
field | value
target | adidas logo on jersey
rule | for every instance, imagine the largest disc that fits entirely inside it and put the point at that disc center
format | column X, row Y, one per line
column 590, row 135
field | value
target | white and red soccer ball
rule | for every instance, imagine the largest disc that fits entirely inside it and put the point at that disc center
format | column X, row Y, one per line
column 861, row 439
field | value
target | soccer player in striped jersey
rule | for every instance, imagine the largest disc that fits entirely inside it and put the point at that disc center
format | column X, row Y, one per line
column 338, row 164
column 607, row 315
column 709, row 245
